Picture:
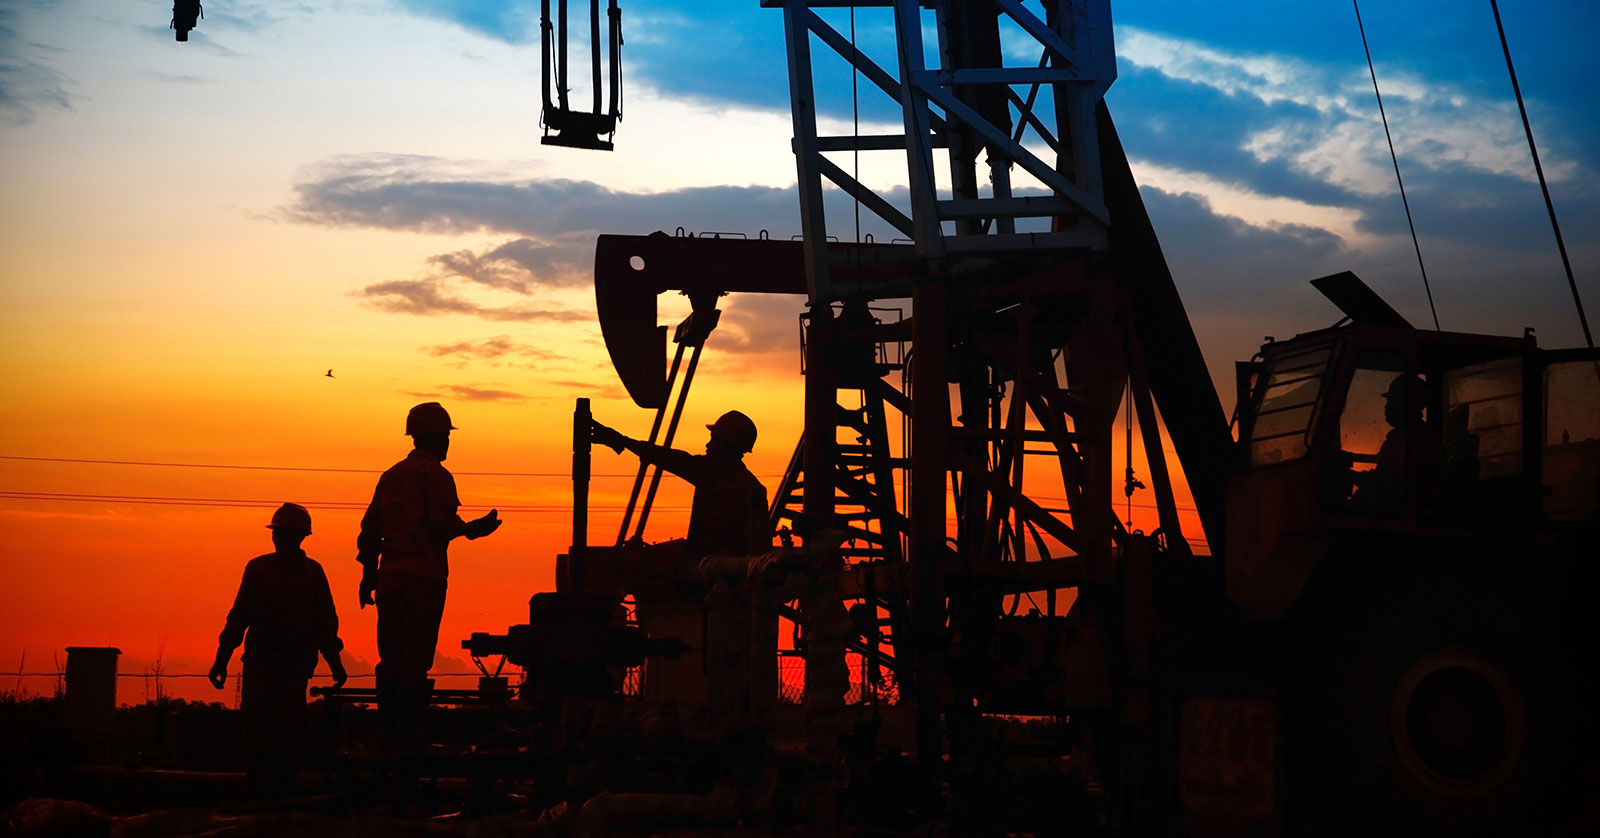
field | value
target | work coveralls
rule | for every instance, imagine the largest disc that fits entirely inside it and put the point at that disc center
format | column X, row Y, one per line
column 729, row 530
column 404, row 535
column 284, row 615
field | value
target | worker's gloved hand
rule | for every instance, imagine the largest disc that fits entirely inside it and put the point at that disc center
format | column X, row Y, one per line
column 485, row 525
column 219, row 669
column 369, row 584
column 336, row 669
column 602, row 435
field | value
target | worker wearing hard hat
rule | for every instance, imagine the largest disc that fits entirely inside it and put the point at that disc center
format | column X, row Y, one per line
column 405, row 534
column 728, row 550
column 284, row 614
column 729, row 513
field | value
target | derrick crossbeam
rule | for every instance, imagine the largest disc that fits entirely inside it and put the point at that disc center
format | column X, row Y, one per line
column 969, row 103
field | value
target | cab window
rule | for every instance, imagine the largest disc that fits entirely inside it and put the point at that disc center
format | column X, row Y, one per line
column 1483, row 419
column 1370, row 472
column 1289, row 398
column 1572, row 440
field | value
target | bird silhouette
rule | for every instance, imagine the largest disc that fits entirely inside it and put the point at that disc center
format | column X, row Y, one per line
column 329, row 373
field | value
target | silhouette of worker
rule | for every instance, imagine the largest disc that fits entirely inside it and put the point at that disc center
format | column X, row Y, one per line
column 1383, row 489
column 284, row 615
column 729, row 513
column 726, row 548
column 405, row 534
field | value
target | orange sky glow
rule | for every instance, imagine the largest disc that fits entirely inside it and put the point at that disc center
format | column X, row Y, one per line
column 172, row 292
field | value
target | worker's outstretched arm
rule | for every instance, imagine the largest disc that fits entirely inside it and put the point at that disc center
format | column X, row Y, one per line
column 680, row 463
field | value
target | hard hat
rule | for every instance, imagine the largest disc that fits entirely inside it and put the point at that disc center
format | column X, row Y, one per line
column 428, row 418
column 735, row 429
column 291, row 516
column 1401, row 385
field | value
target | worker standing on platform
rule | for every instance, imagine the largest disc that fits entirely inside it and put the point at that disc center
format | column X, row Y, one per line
column 284, row 615
column 402, row 550
column 729, row 533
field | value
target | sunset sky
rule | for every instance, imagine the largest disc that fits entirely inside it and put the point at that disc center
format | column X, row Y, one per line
column 191, row 234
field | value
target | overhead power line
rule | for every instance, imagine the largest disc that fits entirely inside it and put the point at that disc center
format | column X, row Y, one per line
column 239, row 467
column 271, row 467
column 82, row 497
column 1396, row 158
column 1544, row 187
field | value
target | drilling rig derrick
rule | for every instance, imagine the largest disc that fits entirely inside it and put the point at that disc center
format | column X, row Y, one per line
column 1037, row 301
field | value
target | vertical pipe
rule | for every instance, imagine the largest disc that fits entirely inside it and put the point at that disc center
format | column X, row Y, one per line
column 581, row 422
column 594, row 50
column 821, row 420
column 548, row 41
column 615, row 36
column 930, row 424
column 561, row 54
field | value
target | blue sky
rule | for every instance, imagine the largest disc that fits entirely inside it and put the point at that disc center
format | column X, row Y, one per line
column 1251, row 127
column 1254, row 129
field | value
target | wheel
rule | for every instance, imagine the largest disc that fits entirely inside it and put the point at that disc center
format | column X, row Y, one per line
column 1444, row 701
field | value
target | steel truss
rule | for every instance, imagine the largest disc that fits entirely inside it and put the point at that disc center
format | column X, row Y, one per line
column 1023, row 345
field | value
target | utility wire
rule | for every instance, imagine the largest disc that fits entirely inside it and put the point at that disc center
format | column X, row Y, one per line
column 82, row 497
column 284, row 468
column 1396, row 159
column 165, row 675
column 297, row 468
column 1527, row 128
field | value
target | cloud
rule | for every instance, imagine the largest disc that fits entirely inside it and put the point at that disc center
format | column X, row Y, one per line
column 495, row 348
column 435, row 195
column 26, row 83
column 176, row 78
column 1322, row 121
column 511, row 21
column 480, row 394
column 1204, row 247
column 434, row 296
column 469, row 393
column 522, row 264
column 755, row 324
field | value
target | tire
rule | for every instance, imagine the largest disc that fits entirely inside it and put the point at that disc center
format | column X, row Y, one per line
column 1443, row 702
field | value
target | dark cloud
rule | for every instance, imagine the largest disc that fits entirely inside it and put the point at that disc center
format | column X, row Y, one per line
column 495, row 348
column 754, row 324
column 1190, row 126
column 481, row 394
column 434, row 296
column 469, row 393
column 174, row 78
column 522, row 264
column 412, row 193
column 1200, row 243
column 201, row 39
column 26, row 84
column 511, row 21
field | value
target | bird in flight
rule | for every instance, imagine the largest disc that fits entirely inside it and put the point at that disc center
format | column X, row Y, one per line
column 329, row 373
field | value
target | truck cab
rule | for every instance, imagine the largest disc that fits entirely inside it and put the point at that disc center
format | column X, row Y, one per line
column 1373, row 430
